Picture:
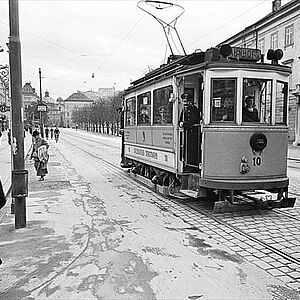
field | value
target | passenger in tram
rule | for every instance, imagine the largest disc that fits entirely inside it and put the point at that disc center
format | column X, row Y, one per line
column 250, row 113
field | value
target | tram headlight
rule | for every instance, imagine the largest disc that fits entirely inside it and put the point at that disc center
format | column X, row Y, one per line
column 258, row 141
column 274, row 55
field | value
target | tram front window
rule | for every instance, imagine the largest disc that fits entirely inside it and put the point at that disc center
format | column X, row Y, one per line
column 257, row 95
column 223, row 100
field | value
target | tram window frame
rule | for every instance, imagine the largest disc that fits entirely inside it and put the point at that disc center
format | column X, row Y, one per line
column 263, row 98
column 144, row 109
column 222, row 101
column 281, row 103
column 161, row 105
column 130, row 119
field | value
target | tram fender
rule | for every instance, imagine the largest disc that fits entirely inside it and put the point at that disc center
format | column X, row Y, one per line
column 284, row 202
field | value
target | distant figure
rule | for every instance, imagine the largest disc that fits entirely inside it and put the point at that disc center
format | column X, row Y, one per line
column 51, row 133
column 2, row 196
column 40, row 155
column 250, row 113
column 47, row 133
column 76, row 127
column 56, row 134
column 9, row 136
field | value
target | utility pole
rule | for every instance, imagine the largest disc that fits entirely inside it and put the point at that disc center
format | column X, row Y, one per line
column 41, row 97
column 19, row 174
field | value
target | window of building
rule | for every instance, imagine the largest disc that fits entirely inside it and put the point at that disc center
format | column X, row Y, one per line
column 289, row 35
column 223, row 100
column 162, row 108
column 261, row 45
column 281, row 102
column 144, row 108
column 257, row 99
column 274, row 40
column 130, row 111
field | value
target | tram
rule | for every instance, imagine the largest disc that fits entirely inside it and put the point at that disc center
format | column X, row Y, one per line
column 236, row 146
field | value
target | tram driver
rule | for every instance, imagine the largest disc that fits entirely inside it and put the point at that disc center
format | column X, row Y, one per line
column 190, row 114
column 250, row 112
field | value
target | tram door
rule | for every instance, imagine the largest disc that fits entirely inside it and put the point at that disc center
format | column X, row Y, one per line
column 190, row 138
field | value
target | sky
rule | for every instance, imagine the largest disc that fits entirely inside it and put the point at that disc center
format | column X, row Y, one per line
column 86, row 45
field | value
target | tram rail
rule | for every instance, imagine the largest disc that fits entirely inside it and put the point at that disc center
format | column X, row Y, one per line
column 249, row 246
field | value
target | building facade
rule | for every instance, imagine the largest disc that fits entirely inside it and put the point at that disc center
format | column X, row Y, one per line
column 279, row 30
column 75, row 101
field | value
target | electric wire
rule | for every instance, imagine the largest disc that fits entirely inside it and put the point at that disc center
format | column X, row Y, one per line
column 119, row 45
column 230, row 21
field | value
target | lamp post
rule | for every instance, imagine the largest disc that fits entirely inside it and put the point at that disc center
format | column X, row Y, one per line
column 19, row 174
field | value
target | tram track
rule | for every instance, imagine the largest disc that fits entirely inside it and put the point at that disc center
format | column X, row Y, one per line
column 199, row 214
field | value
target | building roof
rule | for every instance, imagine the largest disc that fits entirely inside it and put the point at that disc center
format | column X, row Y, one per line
column 78, row 97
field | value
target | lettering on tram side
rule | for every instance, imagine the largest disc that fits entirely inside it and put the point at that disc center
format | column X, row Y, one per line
column 167, row 137
column 140, row 152
column 145, row 153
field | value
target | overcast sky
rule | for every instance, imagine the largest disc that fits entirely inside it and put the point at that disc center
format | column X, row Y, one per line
column 115, row 40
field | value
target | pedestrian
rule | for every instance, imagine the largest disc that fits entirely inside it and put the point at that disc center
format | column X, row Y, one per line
column 47, row 133
column 9, row 137
column 51, row 133
column 40, row 155
column 2, row 196
column 56, row 134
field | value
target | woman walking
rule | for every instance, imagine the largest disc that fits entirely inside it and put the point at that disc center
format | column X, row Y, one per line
column 40, row 155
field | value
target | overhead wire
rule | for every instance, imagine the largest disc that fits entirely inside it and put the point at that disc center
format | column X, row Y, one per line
column 118, row 46
column 221, row 26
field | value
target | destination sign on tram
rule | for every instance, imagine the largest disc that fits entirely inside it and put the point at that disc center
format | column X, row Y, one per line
column 245, row 54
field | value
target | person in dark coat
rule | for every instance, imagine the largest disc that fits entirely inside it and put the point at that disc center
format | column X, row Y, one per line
column 250, row 113
column 40, row 155
column 47, row 133
column 190, row 116
column 2, row 196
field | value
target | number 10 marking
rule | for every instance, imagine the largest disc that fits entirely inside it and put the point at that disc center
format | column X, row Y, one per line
column 256, row 161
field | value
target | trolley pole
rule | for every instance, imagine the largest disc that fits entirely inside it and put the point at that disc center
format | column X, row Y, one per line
column 19, row 174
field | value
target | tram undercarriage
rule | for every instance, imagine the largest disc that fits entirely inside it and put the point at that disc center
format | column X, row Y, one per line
column 188, row 186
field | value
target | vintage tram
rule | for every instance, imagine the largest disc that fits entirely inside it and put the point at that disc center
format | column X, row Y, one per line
column 224, row 153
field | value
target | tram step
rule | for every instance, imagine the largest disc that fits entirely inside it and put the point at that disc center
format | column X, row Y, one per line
column 190, row 193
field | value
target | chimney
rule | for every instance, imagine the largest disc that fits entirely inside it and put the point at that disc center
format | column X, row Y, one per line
column 276, row 5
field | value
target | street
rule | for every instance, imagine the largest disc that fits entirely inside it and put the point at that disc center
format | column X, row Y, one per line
column 94, row 233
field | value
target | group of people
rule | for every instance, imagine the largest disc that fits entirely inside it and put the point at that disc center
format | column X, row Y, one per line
column 53, row 133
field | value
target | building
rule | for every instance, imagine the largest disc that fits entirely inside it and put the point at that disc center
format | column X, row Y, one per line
column 29, row 95
column 30, row 100
column 76, row 100
column 53, row 112
column 106, row 93
column 92, row 95
column 279, row 29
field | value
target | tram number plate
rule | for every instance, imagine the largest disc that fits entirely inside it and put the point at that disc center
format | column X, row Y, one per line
column 256, row 160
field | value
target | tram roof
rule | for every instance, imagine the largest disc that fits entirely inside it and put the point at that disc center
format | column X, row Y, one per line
column 180, row 65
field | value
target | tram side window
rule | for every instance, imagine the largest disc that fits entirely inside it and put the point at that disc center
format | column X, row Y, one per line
column 223, row 100
column 144, row 108
column 130, row 111
column 281, row 102
column 162, row 108
column 257, row 95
